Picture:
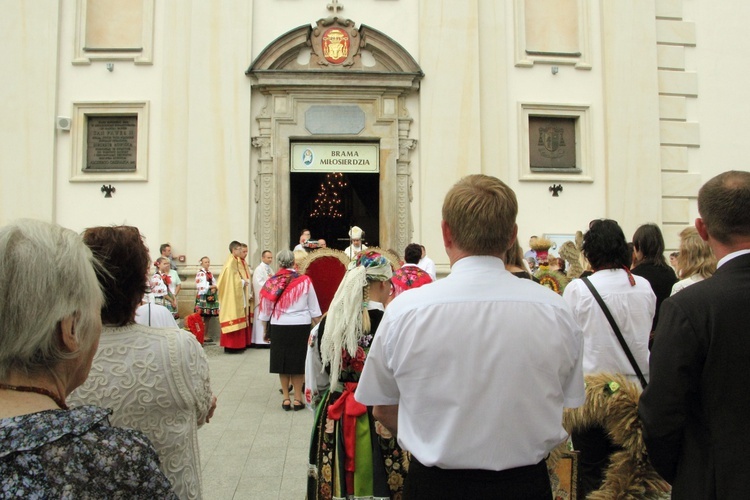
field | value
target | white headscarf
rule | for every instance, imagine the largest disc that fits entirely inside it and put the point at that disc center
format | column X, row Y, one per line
column 345, row 320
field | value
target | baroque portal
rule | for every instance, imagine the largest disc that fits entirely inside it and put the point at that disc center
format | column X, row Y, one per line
column 337, row 83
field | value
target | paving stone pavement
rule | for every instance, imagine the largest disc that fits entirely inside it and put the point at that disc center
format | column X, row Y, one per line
column 252, row 449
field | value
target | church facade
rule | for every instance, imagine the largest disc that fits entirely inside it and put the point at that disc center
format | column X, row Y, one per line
column 207, row 121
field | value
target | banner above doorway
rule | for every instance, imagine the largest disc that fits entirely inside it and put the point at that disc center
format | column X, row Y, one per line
column 335, row 157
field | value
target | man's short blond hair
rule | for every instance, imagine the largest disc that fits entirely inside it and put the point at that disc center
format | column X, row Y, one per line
column 480, row 212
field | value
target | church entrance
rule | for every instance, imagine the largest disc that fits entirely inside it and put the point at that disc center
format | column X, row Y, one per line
column 335, row 130
column 330, row 203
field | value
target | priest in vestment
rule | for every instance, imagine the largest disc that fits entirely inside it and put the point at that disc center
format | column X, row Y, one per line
column 234, row 315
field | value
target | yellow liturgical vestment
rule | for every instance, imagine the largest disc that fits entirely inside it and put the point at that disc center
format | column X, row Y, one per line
column 233, row 312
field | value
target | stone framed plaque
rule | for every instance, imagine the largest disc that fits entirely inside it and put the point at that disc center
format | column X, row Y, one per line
column 554, row 142
column 110, row 142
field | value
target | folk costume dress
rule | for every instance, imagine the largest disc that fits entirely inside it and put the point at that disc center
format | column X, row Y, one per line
column 289, row 303
column 234, row 316
column 206, row 300
column 350, row 452
column 160, row 288
column 409, row 276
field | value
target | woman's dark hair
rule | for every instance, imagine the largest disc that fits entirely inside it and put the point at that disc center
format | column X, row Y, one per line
column 649, row 241
column 604, row 245
column 124, row 259
column 413, row 253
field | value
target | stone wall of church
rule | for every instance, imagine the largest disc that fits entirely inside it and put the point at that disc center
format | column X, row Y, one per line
column 29, row 36
column 656, row 90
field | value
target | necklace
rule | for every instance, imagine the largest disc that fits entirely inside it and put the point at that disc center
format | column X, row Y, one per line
column 37, row 390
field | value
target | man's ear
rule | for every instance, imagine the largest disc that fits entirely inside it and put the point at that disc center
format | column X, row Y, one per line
column 68, row 334
column 701, row 227
column 447, row 236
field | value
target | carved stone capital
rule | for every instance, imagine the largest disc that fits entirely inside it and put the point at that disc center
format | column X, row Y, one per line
column 264, row 144
column 404, row 146
column 261, row 142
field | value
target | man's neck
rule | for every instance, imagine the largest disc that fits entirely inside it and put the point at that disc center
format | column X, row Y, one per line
column 721, row 250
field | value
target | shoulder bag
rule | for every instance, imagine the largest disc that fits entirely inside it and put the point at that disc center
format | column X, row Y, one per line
column 614, row 326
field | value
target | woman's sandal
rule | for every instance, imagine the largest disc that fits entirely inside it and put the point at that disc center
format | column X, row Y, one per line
column 286, row 405
column 298, row 405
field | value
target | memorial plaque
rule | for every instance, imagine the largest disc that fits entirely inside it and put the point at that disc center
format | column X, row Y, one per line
column 111, row 143
column 552, row 144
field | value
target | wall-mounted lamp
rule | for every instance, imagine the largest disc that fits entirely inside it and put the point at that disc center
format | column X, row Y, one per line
column 555, row 69
column 108, row 190
column 556, row 189
column 110, row 67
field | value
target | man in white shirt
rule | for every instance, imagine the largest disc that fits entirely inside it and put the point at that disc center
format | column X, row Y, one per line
column 473, row 371
column 260, row 275
column 427, row 264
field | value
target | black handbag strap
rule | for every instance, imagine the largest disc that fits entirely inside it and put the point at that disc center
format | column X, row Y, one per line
column 617, row 331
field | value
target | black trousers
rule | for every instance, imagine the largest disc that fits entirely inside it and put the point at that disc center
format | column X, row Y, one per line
column 433, row 483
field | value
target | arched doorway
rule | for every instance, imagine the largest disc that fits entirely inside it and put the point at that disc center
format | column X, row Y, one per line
column 351, row 95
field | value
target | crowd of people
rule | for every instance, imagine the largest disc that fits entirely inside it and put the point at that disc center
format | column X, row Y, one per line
column 460, row 387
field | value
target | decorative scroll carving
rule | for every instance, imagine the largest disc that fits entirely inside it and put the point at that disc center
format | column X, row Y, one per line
column 404, row 146
column 404, row 196
column 264, row 144
column 264, row 184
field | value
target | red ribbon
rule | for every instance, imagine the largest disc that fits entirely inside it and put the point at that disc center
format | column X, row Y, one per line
column 348, row 408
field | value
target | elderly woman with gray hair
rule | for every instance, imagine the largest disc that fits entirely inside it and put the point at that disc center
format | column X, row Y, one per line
column 288, row 306
column 46, row 449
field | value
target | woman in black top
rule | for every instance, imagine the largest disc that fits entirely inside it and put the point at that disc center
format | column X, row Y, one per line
column 650, row 263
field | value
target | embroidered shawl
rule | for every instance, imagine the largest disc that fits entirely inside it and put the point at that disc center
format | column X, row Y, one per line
column 282, row 290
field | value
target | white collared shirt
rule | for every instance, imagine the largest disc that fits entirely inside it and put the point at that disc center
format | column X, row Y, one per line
column 427, row 265
column 731, row 256
column 149, row 314
column 632, row 308
column 481, row 365
column 260, row 276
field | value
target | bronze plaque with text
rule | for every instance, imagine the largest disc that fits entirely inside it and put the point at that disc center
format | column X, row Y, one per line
column 111, row 143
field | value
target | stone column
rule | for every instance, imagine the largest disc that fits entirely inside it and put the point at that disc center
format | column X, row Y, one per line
column 264, row 196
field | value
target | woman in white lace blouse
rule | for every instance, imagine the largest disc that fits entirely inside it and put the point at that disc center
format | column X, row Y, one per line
column 154, row 379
